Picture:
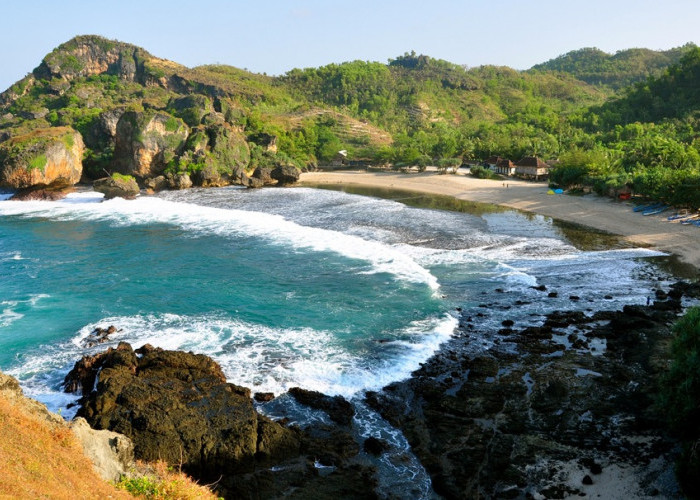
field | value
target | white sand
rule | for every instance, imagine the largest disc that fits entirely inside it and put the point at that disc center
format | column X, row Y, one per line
column 593, row 211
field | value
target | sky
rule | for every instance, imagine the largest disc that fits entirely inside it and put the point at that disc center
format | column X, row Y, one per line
column 274, row 36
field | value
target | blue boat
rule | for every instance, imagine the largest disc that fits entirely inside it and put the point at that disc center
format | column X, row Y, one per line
column 642, row 208
column 691, row 220
column 654, row 211
column 679, row 216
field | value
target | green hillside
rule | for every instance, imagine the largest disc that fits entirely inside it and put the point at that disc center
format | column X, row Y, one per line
column 217, row 122
column 616, row 71
column 646, row 139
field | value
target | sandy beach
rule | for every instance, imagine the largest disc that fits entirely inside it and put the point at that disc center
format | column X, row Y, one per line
column 591, row 210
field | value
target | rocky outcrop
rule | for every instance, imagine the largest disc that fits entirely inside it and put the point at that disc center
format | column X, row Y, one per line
column 111, row 453
column 155, row 184
column 229, row 150
column 90, row 55
column 285, row 174
column 191, row 108
column 178, row 407
column 146, row 141
column 178, row 181
column 117, row 186
column 44, row 157
column 263, row 174
column 542, row 408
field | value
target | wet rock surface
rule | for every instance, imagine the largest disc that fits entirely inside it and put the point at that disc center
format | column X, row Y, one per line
column 543, row 411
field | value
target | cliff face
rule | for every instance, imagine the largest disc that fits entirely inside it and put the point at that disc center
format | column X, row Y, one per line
column 45, row 157
column 146, row 142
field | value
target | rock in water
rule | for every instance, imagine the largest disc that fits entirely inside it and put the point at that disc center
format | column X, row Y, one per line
column 285, row 174
column 337, row 408
column 117, row 186
column 178, row 407
column 43, row 157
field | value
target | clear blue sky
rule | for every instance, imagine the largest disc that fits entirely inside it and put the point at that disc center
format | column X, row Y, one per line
column 274, row 36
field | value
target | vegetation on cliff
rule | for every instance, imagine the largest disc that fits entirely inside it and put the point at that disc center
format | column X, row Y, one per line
column 216, row 124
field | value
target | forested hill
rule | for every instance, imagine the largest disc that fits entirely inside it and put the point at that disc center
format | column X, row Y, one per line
column 618, row 70
column 674, row 95
column 412, row 111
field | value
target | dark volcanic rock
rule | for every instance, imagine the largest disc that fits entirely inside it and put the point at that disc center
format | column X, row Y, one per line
column 177, row 407
column 506, row 425
column 337, row 408
column 375, row 446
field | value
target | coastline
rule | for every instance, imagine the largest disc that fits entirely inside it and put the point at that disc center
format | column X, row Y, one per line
column 593, row 211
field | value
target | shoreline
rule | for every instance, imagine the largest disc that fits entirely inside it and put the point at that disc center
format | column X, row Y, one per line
column 597, row 212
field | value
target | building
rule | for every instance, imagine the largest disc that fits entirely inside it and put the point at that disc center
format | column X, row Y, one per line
column 491, row 162
column 341, row 159
column 531, row 167
column 505, row 167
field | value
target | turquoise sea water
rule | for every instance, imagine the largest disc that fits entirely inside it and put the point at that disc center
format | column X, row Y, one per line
column 323, row 289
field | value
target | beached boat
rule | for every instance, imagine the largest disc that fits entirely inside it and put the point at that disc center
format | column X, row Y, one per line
column 690, row 219
column 677, row 217
column 645, row 207
column 657, row 210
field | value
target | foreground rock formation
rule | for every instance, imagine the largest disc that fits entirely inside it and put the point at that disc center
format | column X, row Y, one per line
column 178, row 407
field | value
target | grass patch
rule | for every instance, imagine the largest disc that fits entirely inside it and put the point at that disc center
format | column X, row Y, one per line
column 122, row 178
column 162, row 482
column 43, row 460
column 38, row 162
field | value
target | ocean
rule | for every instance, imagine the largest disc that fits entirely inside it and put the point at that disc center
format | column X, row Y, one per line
column 339, row 292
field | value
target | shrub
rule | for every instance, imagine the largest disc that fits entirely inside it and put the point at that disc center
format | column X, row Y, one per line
column 679, row 399
column 483, row 173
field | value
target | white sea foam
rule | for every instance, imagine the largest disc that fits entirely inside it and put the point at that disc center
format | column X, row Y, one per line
column 13, row 310
column 263, row 358
column 226, row 222
column 9, row 315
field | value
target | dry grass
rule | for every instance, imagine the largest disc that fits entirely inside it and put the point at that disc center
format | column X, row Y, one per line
column 41, row 460
column 161, row 482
